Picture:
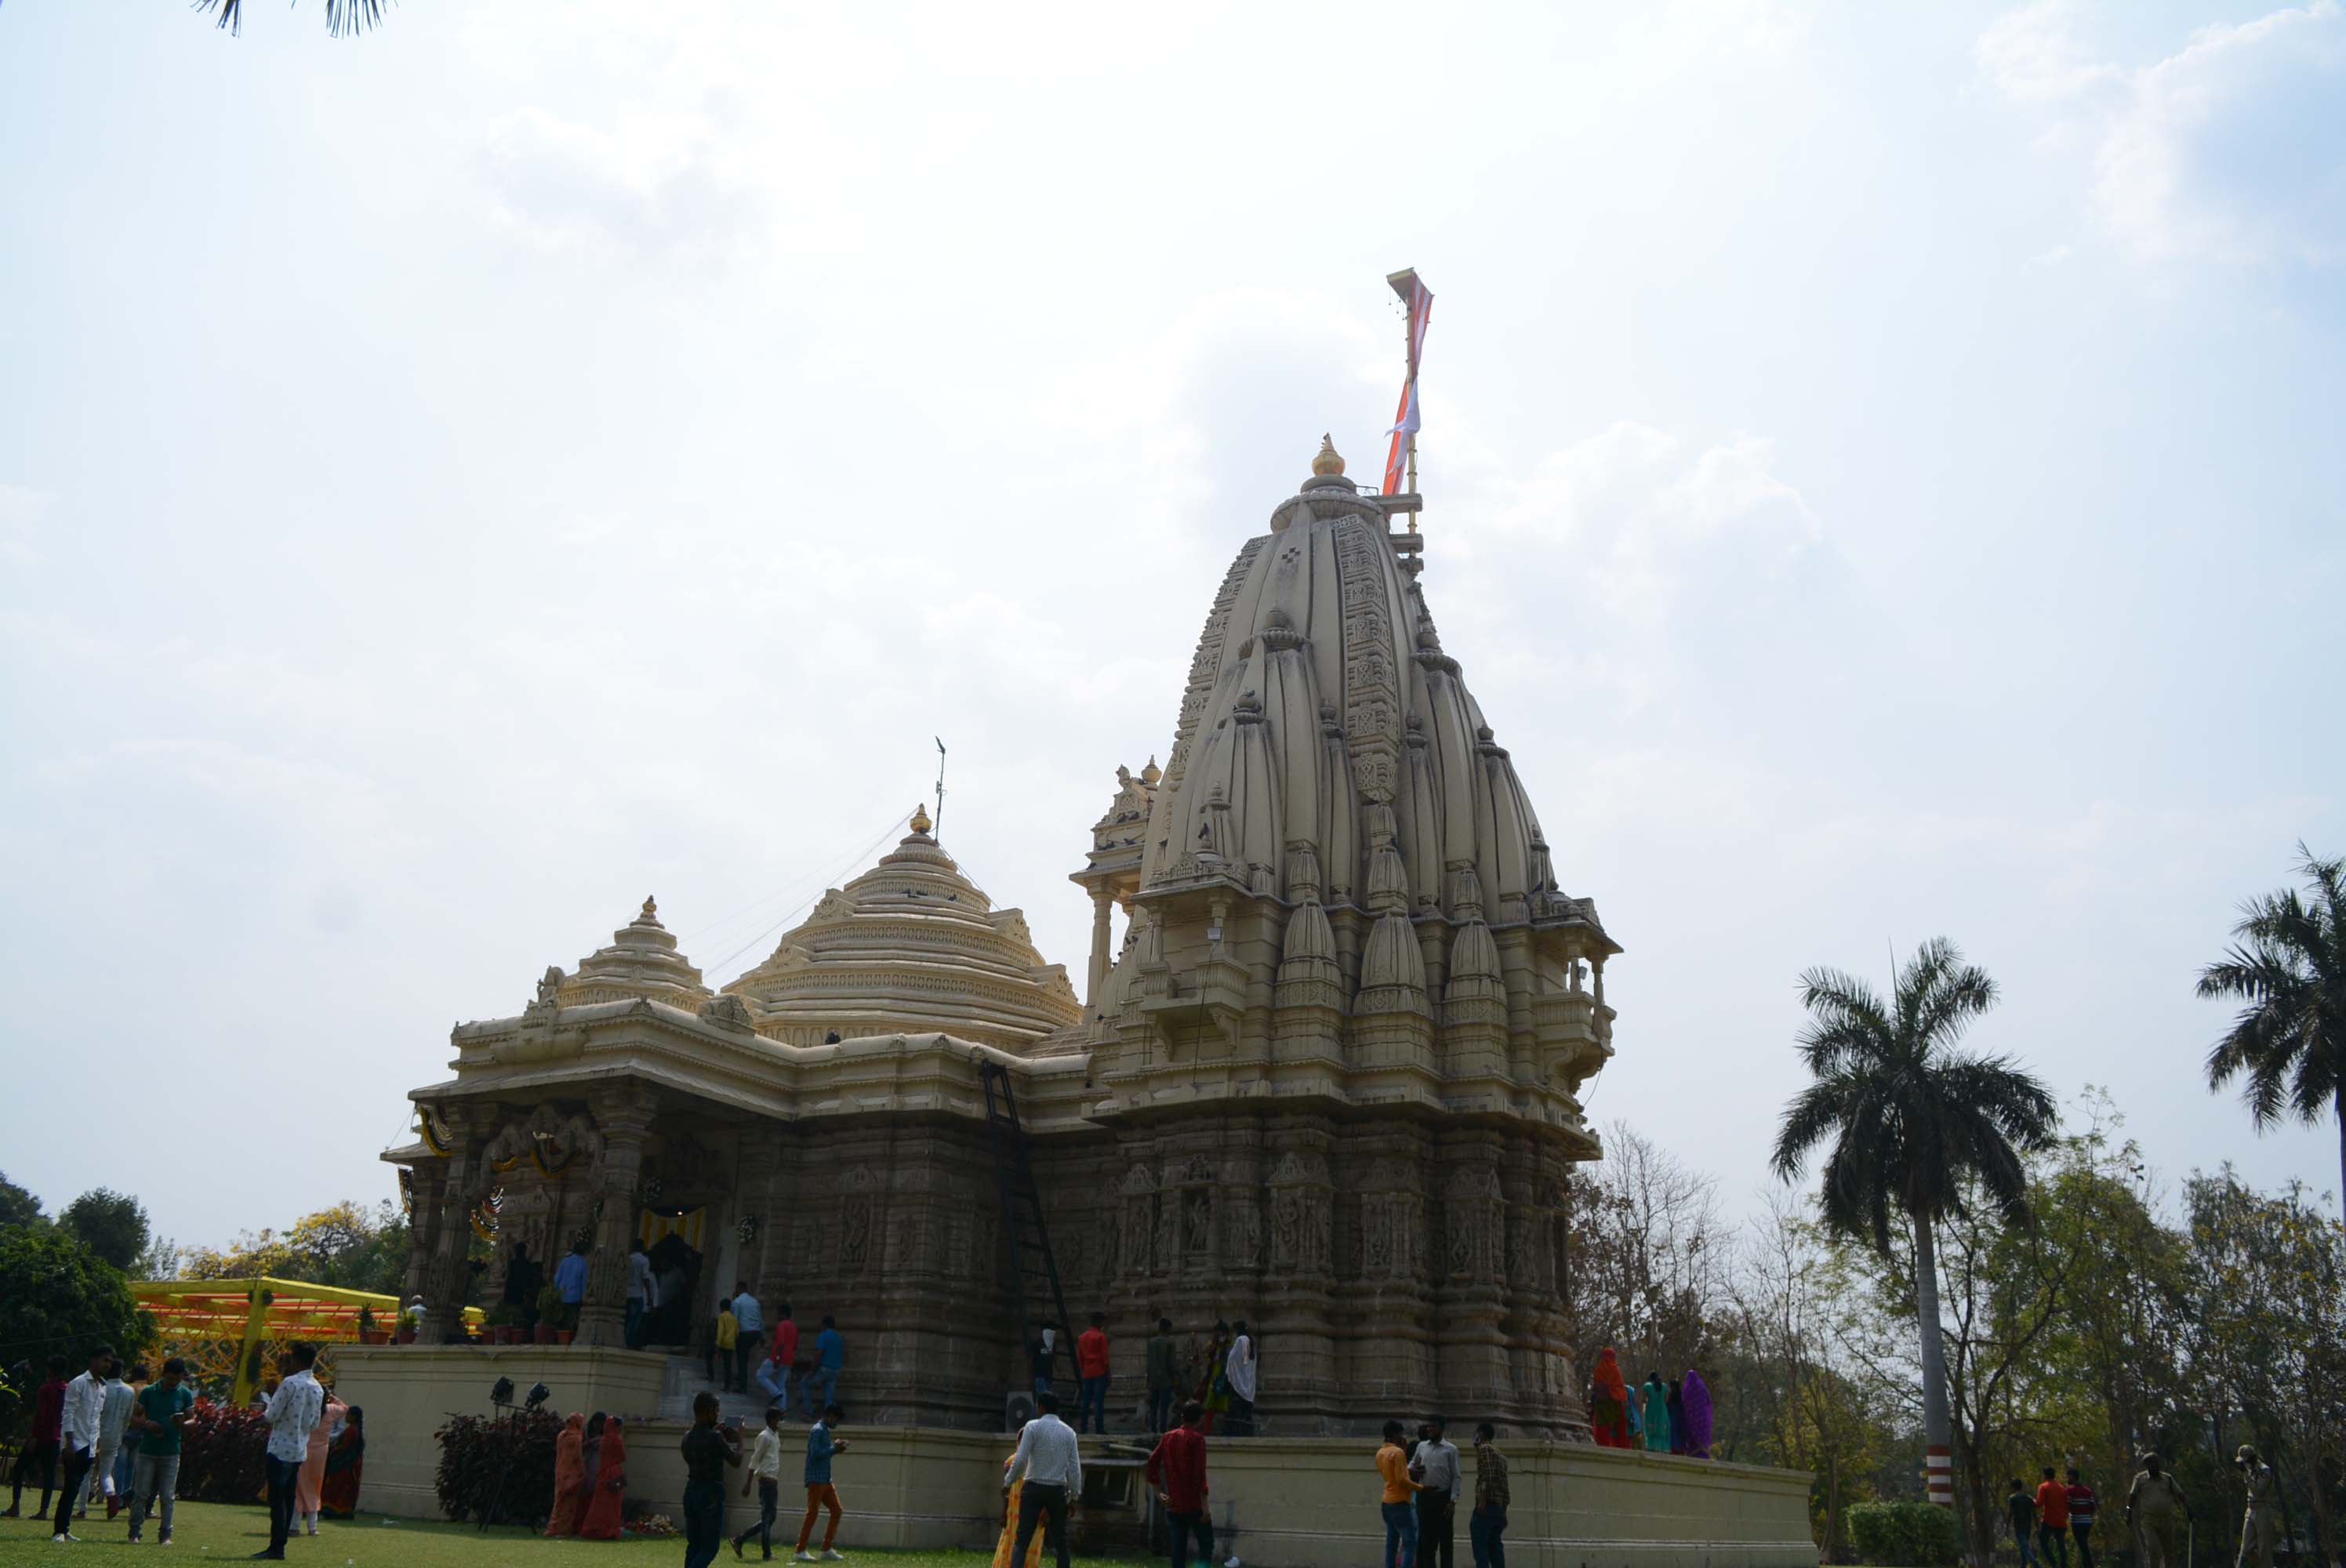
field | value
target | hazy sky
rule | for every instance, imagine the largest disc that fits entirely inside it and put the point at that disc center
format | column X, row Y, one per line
column 1883, row 469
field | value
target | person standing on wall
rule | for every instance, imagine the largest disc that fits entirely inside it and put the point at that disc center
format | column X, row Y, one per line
column 643, row 1293
column 709, row 1449
column 77, row 1425
column 1164, row 1375
column 1177, row 1469
column 749, row 1333
column 1241, row 1369
column 297, row 1406
column 766, row 1470
column 522, row 1278
column 1049, row 1462
column 1091, row 1365
column 570, row 1282
column 1439, row 1480
column 1489, row 1522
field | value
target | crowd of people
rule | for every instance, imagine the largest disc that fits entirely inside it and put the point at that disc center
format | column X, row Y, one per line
column 2059, row 1512
column 112, row 1437
column 1660, row 1415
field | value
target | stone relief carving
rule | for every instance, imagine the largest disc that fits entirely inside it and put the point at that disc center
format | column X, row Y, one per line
column 1372, row 705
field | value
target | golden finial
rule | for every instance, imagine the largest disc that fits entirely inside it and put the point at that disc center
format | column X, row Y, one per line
column 1152, row 774
column 921, row 820
column 1327, row 463
column 651, row 911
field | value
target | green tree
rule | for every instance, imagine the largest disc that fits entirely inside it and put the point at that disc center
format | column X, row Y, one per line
column 111, row 1224
column 1911, row 1121
column 348, row 1245
column 18, row 1207
column 2288, row 965
column 58, row 1297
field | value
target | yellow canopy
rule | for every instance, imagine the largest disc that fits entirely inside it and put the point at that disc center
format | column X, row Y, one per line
column 218, row 1323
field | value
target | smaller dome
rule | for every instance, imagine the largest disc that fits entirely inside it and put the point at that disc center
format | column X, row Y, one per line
column 641, row 962
column 1328, row 465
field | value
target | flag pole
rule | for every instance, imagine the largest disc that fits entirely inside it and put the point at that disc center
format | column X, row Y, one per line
column 1405, row 284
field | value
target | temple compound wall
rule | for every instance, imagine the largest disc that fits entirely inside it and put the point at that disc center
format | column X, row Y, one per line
column 1327, row 1080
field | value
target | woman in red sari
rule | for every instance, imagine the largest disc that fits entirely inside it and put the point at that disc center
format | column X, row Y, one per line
column 569, row 1469
column 338, row 1495
column 602, row 1516
column 1609, row 1403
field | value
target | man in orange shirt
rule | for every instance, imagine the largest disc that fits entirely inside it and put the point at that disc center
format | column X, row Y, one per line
column 2052, row 1521
column 1399, row 1512
column 1091, row 1365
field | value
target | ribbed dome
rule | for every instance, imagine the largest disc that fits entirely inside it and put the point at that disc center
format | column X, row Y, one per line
column 911, row 946
column 1322, row 709
column 642, row 961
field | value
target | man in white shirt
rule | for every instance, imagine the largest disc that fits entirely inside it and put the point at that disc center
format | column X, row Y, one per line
column 747, row 1337
column 765, row 1468
column 293, row 1410
column 77, row 1435
column 113, row 1415
column 643, row 1294
column 1050, row 1460
column 1435, row 1468
column 1238, row 1369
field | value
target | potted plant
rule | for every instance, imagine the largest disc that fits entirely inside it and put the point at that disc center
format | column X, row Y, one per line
column 550, row 1314
column 504, row 1324
column 410, row 1321
column 369, row 1333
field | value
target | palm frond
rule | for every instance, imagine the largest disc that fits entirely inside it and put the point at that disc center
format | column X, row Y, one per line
column 345, row 18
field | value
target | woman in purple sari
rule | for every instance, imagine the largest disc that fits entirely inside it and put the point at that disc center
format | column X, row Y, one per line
column 1696, row 1396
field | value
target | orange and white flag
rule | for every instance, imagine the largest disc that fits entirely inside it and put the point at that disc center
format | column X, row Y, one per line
column 1405, row 418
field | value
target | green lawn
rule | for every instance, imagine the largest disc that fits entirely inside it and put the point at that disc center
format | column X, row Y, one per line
column 211, row 1534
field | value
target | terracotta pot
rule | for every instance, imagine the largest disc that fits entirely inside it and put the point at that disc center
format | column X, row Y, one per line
column 567, row 1334
column 373, row 1336
column 407, row 1336
column 545, row 1333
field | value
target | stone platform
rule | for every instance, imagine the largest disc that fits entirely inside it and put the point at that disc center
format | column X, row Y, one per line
column 1278, row 1502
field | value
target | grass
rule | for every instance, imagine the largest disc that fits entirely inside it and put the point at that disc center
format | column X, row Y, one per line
column 213, row 1534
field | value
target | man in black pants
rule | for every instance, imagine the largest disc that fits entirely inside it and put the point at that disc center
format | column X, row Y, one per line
column 1049, row 1462
column 38, row 1456
column 77, row 1433
column 293, row 1409
column 1435, row 1468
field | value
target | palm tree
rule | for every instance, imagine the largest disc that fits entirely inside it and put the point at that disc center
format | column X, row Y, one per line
column 345, row 18
column 1913, row 1123
column 2290, row 967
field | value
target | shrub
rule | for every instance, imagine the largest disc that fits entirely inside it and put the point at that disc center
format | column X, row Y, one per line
column 1908, row 1535
column 506, row 1463
column 223, row 1454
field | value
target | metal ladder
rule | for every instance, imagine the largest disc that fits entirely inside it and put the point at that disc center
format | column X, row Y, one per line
column 1035, row 1292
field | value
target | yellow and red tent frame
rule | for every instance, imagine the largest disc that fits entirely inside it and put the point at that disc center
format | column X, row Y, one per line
column 217, row 1325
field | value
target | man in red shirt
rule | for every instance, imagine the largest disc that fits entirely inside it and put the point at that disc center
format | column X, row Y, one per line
column 40, row 1450
column 1177, row 1471
column 2052, row 1522
column 774, row 1377
column 1091, row 1365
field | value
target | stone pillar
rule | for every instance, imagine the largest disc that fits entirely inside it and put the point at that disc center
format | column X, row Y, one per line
column 624, row 1117
column 753, row 1199
column 431, row 1187
column 1102, row 902
column 446, row 1275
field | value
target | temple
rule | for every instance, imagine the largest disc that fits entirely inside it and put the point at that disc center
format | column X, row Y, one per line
column 1327, row 1082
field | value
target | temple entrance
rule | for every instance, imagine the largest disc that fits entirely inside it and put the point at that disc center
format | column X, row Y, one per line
column 674, row 1242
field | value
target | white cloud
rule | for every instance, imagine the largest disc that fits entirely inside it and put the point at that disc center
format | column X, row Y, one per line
column 2223, row 151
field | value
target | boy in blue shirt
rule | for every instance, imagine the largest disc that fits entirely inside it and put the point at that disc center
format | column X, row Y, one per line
column 821, row 1493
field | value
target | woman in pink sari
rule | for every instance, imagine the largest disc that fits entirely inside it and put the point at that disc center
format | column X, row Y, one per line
column 308, row 1484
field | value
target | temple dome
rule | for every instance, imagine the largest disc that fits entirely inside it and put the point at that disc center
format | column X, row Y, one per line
column 911, row 946
column 641, row 962
column 1322, row 710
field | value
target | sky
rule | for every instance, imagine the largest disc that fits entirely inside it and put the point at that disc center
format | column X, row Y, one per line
column 1882, row 470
